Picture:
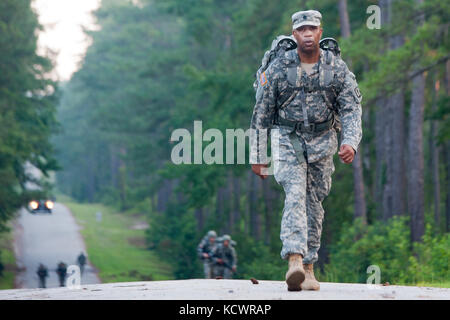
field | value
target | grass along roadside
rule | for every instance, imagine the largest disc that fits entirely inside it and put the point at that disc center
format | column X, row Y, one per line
column 7, row 258
column 116, row 244
column 445, row 284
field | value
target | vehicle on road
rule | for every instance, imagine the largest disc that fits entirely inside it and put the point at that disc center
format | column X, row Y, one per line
column 45, row 205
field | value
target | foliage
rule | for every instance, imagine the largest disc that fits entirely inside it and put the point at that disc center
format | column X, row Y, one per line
column 388, row 247
column 27, row 107
column 7, row 261
column 257, row 260
column 174, row 236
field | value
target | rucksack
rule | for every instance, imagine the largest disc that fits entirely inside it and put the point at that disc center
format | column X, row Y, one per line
column 282, row 44
column 279, row 46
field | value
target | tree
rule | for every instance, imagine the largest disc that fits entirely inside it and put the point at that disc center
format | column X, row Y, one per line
column 27, row 107
column 415, row 154
column 358, row 179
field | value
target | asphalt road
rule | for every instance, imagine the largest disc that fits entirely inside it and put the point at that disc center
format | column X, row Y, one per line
column 48, row 239
column 202, row 289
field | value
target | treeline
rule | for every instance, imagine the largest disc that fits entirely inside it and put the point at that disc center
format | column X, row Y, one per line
column 155, row 66
column 27, row 108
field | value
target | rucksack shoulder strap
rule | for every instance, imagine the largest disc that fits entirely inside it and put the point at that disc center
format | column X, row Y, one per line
column 327, row 69
column 328, row 78
column 292, row 75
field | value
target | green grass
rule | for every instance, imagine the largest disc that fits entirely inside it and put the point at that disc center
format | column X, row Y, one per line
column 114, row 248
column 8, row 259
column 445, row 284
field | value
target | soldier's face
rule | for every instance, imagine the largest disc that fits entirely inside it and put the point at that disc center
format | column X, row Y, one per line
column 212, row 239
column 225, row 243
column 308, row 38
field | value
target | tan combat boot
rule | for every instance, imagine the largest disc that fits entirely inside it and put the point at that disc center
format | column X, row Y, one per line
column 296, row 274
column 310, row 282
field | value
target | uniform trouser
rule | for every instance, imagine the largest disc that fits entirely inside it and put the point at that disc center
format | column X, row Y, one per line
column 305, row 185
column 81, row 268
column 222, row 271
column 207, row 269
column 42, row 283
column 61, row 281
column 227, row 273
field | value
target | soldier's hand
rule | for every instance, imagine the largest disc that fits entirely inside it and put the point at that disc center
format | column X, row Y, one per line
column 219, row 261
column 346, row 153
column 205, row 255
column 233, row 269
column 256, row 168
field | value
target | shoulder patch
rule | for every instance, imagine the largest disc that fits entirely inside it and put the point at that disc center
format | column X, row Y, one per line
column 263, row 79
column 357, row 94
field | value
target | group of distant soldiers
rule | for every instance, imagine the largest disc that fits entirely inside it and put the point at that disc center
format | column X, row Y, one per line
column 61, row 271
column 218, row 255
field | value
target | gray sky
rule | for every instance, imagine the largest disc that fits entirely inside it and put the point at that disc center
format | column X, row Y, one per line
column 63, row 21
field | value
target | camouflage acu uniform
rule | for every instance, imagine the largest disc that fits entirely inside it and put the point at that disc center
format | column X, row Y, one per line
column 306, row 183
column 205, row 246
column 228, row 255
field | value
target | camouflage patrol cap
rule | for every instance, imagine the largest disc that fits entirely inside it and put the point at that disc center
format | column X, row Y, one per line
column 226, row 237
column 212, row 234
column 309, row 17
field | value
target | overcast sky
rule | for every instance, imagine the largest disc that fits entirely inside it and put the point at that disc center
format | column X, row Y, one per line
column 63, row 21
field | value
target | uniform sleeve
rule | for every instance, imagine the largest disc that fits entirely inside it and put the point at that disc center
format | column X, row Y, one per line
column 200, row 248
column 349, row 109
column 262, row 117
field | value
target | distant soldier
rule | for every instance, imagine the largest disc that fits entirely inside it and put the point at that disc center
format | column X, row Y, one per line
column 224, row 258
column 81, row 261
column 42, row 273
column 204, row 249
column 62, row 272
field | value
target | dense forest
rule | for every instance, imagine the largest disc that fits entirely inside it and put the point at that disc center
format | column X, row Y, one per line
column 28, row 102
column 155, row 66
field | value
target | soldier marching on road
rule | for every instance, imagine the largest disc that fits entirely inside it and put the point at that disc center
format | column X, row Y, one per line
column 204, row 249
column 62, row 272
column 304, row 94
column 224, row 258
column 42, row 273
column 81, row 262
